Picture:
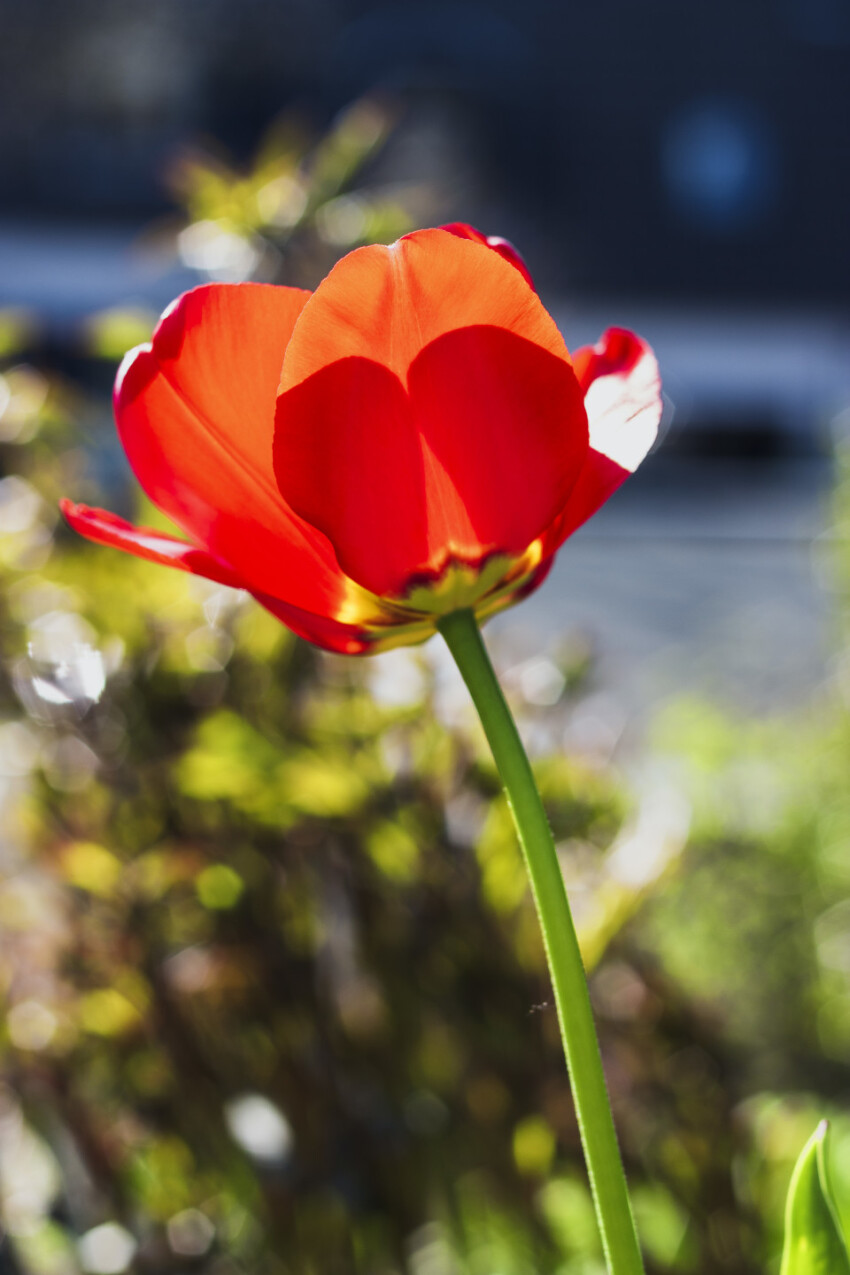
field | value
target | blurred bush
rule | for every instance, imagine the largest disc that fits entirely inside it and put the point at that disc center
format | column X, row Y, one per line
column 303, row 200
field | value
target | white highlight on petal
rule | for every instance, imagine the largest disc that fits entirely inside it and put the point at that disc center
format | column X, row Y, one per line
column 623, row 412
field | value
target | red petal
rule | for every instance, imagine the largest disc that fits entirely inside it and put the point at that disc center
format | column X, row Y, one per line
column 504, row 247
column 622, row 389
column 427, row 408
column 331, row 635
column 195, row 411
column 105, row 528
column 108, row 529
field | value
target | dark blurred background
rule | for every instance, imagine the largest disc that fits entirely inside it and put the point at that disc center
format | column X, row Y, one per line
column 274, row 998
column 661, row 150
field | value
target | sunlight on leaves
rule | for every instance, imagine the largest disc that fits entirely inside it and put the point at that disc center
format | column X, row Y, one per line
column 814, row 1244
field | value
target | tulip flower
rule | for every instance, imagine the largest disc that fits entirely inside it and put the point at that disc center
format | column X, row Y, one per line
column 409, row 440
column 403, row 451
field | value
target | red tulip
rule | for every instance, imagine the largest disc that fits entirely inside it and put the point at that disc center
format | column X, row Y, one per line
column 410, row 439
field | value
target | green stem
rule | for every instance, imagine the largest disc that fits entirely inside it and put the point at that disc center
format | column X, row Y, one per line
column 596, row 1125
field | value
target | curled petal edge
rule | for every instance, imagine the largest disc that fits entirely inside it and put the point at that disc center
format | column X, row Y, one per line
column 105, row 528
column 622, row 396
column 503, row 247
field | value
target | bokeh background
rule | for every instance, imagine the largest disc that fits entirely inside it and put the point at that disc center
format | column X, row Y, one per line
column 274, row 996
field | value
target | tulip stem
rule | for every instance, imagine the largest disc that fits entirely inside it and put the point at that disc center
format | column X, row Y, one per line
column 578, row 1033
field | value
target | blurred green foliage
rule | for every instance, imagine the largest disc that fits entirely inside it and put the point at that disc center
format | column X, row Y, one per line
column 302, row 201
column 814, row 1243
column 305, row 198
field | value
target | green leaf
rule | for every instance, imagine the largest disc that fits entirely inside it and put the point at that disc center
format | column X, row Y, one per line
column 814, row 1244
